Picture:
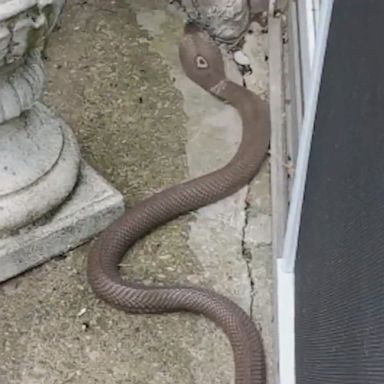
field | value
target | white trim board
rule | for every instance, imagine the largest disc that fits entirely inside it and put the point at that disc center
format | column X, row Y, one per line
column 305, row 140
column 285, row 324
column 306, row 28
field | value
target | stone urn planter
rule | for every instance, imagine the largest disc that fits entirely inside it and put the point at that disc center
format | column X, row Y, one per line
column 225, row 20
column 42, row 209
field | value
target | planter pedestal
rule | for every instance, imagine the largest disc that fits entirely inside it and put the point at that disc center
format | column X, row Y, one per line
column 50, row 201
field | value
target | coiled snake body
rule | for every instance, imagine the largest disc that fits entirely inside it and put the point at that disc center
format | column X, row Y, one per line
column 202, row 62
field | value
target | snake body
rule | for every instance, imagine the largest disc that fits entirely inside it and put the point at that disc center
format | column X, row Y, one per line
column 202, row 62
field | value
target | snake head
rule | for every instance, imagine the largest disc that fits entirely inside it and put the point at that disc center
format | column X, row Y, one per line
column 200, row 57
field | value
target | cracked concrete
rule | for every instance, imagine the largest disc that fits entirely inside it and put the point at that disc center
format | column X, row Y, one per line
column 115, row 77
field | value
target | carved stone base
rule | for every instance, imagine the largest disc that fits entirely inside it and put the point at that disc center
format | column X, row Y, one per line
column 49, row 202
column 93, row 205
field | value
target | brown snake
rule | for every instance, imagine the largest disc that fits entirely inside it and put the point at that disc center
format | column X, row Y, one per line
column 202, row 62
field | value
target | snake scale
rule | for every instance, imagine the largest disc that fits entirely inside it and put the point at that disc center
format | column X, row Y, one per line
column 202, row 62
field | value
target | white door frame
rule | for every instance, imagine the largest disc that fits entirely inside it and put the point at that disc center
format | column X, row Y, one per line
column 313, row 33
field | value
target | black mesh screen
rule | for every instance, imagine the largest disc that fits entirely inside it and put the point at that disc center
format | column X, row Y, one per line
column 340, row 260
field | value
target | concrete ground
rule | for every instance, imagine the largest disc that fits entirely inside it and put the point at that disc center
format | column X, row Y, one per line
column 114, row 76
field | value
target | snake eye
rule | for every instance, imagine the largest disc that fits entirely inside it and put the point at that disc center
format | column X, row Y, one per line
column 201, row 62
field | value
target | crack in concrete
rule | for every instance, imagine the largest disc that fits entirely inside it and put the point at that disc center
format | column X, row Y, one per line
column 246, row 252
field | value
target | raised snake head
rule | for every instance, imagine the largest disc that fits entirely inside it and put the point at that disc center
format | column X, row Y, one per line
column 201, row 58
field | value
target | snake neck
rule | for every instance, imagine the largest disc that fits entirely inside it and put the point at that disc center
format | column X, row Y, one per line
column 252, row 109
column 233, row 94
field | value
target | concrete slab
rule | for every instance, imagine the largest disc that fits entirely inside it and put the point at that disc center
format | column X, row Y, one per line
column 115, row 77
column 93, row 205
